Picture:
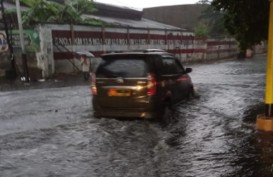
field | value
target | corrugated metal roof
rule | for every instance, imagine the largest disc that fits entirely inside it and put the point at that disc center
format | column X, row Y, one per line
column 143, row 23
column 115, row 21
column 107, row 10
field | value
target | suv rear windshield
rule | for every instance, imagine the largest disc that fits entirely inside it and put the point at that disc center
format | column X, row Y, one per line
column 112, row 68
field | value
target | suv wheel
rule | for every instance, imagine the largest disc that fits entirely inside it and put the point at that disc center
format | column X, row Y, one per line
column 165, row 114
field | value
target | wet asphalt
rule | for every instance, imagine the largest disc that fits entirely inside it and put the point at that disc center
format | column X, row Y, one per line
column 50, row 132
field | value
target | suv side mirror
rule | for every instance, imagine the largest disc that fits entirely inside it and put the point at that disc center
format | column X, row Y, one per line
column 188, row 70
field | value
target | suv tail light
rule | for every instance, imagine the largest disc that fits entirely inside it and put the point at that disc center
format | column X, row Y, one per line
column 151, row 85
column 93, row 85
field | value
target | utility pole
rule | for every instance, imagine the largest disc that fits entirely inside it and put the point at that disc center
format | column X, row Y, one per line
column 20, row 25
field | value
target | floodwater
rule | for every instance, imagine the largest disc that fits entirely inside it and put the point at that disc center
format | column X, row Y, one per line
column 51, row 132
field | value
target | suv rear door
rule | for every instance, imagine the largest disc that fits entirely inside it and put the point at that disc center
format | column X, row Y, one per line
column 121, row 81
column 176, row 81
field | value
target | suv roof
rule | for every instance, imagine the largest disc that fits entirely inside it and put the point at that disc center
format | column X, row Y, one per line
column 143, row 52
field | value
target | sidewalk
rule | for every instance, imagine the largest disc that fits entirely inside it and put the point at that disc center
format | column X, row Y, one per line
column 59, row 80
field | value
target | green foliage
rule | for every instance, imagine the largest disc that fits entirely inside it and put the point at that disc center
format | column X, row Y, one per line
column 201, row 30
column 92, row 21
column 82, row 6
column 39, row 11
column 215, row 22
column 52, row 12
column 246, row 20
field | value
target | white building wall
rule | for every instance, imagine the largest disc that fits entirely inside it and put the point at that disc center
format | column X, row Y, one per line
column 66, row 40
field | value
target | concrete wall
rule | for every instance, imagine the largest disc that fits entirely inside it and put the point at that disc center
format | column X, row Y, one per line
column 59, row 44
column 32, row 44
column 45, row 58
column 67, row 40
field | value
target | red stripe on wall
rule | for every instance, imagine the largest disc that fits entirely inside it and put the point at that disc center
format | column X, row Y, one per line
column 81, row 34
column 170, row 37
column 138, row 36
column 84, row 34
column 112, row 35
column 61, row 33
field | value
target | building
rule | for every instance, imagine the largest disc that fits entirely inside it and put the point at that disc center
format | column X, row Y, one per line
column 182, row 16
column 52, row 48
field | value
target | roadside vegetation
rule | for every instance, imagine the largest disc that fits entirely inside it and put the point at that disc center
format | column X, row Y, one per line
column 246, row 20
column 211, row 22
column 45, row 11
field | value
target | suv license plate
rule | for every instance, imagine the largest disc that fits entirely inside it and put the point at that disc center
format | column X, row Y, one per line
column 116, row 92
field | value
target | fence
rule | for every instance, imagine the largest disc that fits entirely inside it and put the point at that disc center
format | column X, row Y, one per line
column 59, row 44
column 67, row 40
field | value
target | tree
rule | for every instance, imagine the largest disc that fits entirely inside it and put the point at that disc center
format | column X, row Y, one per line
column 71, row 11
column 215, row 22
column 246, row 20
column 39, row 11
column 201, row 30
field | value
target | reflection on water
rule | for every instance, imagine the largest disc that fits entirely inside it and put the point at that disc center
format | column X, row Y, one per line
column 213, row 136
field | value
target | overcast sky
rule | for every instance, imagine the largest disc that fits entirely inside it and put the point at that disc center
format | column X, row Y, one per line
column 140, row 4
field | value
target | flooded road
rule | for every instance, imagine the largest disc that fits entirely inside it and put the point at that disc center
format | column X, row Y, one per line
column 51, row 132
